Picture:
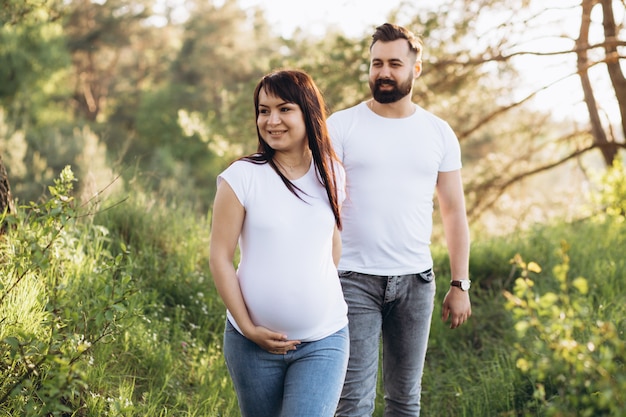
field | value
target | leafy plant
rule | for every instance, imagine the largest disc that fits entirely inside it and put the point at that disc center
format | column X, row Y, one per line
column 611, row 195
column 575, row 359
column 55, row 306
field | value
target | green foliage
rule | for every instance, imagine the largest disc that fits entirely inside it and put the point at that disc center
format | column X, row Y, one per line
column 111, row 318
column 115, row 314
column 129, row 68
column 610, row 196
column 61, row 294
column 472, row 371
column 575, row 356
column 31, row 45
column 169, row 362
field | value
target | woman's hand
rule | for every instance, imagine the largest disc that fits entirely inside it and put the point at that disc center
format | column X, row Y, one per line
column 270, row 341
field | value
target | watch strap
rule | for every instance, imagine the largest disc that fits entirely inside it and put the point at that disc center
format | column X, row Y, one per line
column 459, row 283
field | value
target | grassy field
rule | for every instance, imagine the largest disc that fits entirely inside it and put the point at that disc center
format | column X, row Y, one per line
column 112, row 312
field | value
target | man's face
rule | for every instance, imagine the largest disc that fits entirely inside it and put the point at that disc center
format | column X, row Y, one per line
column 392, row 71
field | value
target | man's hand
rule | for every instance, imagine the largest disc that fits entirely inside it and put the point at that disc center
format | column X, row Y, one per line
column 456, row 306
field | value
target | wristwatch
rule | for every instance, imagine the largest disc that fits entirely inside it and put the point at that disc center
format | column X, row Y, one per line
column 463, row 284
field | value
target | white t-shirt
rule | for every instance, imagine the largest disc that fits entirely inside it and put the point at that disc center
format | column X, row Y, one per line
column 391, row 172
column 286, row 271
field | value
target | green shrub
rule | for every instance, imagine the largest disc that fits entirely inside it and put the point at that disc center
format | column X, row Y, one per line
column 116, row 315
column 61, row 294
column 575, row 358
column 610, row 196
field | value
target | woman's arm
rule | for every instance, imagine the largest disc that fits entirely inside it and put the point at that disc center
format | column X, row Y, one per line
column 226, row 226
column 228, row 215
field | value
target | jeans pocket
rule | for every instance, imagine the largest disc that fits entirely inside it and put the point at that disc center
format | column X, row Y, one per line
column 344, row 274
column 427, row 276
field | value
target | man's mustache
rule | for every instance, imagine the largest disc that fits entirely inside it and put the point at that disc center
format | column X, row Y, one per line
column 386, row 81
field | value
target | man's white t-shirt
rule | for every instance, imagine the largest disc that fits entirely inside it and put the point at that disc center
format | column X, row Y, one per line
column 391, row 172
column 286, row 271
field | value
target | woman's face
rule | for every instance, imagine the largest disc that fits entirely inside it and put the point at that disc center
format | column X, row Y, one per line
column 281, row 124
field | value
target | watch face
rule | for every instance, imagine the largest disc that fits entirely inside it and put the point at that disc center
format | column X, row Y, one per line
column 465, row 285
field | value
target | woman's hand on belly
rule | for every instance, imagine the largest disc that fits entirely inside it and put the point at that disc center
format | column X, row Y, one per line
column 271, row 341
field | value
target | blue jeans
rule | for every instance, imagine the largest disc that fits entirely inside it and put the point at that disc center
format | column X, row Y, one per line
column 401, row 307
column 305, row 382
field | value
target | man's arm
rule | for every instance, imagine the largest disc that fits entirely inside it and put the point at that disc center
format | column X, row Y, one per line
column 456, row 303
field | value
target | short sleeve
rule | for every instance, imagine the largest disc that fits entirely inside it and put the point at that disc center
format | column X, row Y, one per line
column 452, row 156
column 238, row 176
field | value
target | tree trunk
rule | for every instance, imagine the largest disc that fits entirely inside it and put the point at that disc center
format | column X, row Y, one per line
column 613, row 59
column 582, row 45
column 6, row 200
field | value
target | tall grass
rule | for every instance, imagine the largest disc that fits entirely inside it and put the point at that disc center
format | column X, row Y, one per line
column 115, row 314
column 128, row 287
column 471, row 371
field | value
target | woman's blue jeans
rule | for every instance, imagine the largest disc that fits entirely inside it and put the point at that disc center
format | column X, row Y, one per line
column 401, row 308
column 305, row 382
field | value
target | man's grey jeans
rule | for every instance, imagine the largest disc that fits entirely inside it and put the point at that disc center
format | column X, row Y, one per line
column 401, row 308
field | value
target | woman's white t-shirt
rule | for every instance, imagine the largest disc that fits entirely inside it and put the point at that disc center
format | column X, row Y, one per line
column 286, row 272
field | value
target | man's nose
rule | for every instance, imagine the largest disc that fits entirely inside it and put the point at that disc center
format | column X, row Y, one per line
column 385, row 72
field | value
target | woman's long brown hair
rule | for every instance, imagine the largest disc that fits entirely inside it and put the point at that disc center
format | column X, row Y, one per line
column 296, row 86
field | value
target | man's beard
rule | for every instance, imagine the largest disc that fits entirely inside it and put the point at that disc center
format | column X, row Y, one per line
column 393, row 95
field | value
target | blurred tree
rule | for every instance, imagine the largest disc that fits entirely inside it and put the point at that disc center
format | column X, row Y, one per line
column 100, row 37
column 337, row 63
column 30, row 46
column 223, row 54
column 601, row 137
column 6, row 199
column 32, row 59
column 173, row 97
column 471, row 77
column 203, row 117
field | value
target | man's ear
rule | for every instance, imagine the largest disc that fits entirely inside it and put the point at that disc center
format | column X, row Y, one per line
column 418, row 68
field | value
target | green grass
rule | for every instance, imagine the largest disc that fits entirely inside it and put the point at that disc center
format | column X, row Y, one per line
column 118, row 316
